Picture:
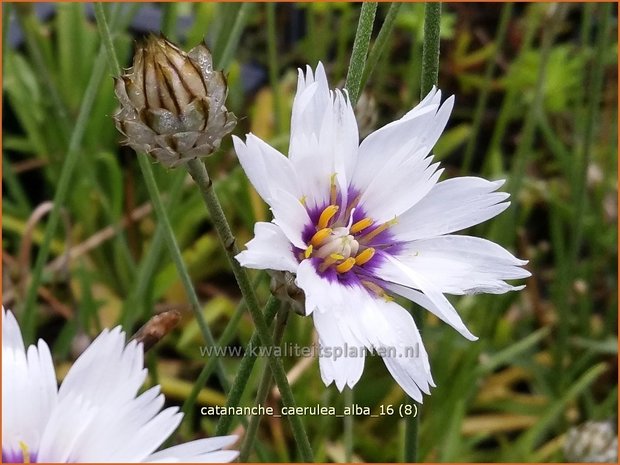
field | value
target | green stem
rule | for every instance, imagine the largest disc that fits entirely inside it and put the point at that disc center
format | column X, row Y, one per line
column 169, row 21
column 348, row 426
column 106, row 38
column 263, row 389
column 382, row 38
column 199, row 173
column 412, row 425
column 360, row 50
column 430, row 73
column 430, row 47
column 177, row 258
column 245, row 370
column 151, row 185
column 483, row 97
column 226, row 338
column 235, row 34
column 272, row 49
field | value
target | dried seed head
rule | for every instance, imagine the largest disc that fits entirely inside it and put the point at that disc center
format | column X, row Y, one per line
column 172, row 103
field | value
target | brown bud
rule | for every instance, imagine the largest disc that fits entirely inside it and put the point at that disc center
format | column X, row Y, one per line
column 172, row 103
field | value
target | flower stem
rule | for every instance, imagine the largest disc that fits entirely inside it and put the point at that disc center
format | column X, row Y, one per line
column 151, row 185
column 348, row 426
column 430, row 47
column 235, row 35
column 381, row 42
column 360, row 50
column 430, row 73
column 411, row 436
column 272, row 49
column 263, row 389
column 245, row 370
column 207, row 369
column 199, row 173
column 175, row 252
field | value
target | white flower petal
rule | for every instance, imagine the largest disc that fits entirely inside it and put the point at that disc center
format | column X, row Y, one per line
column 267, row 169
column 269, row 250
column 324, row 137
column 396, row 189
column 291, row 216
column 319, row 293
column 418, row 131
column 29, row 389
column 392, row 270
column 408, row 363
column 98, row 417
column 202, row 450
column 343, row 355
column 463, row 265
column 451, row 205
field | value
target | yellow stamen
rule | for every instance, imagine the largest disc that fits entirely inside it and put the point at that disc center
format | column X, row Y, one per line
column 327, row 215
column 308, row 251
column 365, row 256
column 378, row 290
column 333, row 193
column 378, row 230
column 360, row 225
column 320, row 236
column 346, row 265
column 351, row 205
column 25, row 452
column 329, row 261
column 302, row 200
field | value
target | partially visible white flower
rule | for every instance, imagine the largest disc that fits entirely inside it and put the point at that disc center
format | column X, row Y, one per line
column 592, row 441
column 359, row 223
column 96, row 415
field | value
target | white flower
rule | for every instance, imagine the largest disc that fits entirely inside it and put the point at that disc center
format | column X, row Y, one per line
column 358, row 222
column 96, row 415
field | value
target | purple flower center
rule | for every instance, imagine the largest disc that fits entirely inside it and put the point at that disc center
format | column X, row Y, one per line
column 344, row 243
column 17, row 456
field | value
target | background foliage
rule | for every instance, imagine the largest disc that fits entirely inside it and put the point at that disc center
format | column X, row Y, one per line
column 536, row 104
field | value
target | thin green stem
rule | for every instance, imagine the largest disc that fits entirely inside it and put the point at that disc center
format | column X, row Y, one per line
column 348, row 426
column 227, row 15
column 483, row 97
column 235, row 34
column 360, row 50
column 151, row 185
column 430, row 47
column 199, row 173
column 106, row 38
column 412, row 425
column 272, row 50
column 430, row 73
column 177, row 258
column 169, row 21
column 245, row 370
column 382, row 39
column 263, row 389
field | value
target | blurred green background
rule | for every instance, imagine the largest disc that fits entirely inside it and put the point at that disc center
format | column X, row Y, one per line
column 536, row 104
